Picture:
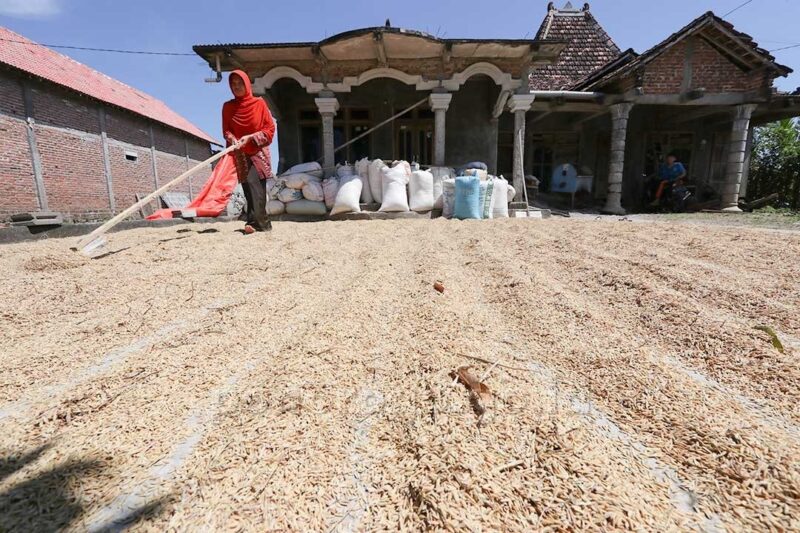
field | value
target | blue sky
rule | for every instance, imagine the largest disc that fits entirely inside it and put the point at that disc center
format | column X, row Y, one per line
column 175, row 25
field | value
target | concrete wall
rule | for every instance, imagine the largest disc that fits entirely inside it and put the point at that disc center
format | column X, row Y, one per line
column 471, row 134
column 70, row 148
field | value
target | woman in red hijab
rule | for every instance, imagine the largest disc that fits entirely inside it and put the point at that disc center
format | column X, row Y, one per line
column 247, row 122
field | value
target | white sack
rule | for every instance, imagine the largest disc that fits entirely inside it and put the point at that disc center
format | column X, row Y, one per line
column 362, row 170
column 405, row 165
column 313, row 191
column 348, row 196
column 275, row 207
column 512, row 192
column 298, row 181
column 448, row 197
column 329, row 188
column 394, row 188
column 306, row 207
column 272, row 188
column 314, row 169
column 500, row 199
column 439, row 174
column 376, row 180
column 485, row 198
column 345, row 171
column 290, row 195
column 420, row 191
column 482, row 174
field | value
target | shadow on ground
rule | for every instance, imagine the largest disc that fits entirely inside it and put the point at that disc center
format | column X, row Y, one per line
column 49, row 501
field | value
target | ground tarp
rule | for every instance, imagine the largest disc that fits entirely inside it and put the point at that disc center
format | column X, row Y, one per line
column 213, row 198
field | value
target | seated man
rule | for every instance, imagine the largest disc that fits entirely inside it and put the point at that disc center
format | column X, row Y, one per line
column 670, row 173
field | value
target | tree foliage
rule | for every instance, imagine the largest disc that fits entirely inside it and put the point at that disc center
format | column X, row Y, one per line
column 775, row 163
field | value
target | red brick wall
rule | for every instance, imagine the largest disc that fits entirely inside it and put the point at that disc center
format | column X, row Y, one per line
column 710, row 70
column 170, row 167
column 664, row 74
column 72, row 166
column 167, row 141
column 130, row 177
column 127, row 128
column 11, row 102
column 17, row 189
column 717, row 74
column 70, row 147
column 54, row 107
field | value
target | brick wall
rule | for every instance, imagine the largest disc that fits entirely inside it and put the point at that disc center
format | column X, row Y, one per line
column 11, row 102
column 710, row 70
column 54, row 107
column 72, row 167
column 67, row 127
column 664, row 74
column 17, row 192
column 127, row 128
column 130, row 177
column 716, row 73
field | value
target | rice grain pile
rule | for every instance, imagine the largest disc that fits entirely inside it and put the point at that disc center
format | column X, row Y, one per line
column 307, row 379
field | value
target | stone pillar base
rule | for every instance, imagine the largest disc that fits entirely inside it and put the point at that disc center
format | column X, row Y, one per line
column 613, row 210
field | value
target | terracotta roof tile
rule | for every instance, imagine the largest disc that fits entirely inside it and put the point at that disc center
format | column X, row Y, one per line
column 589, row 48
column 23, row 54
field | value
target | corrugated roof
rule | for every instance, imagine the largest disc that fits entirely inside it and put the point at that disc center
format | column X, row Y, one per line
column 589, row 48
column 25, row 55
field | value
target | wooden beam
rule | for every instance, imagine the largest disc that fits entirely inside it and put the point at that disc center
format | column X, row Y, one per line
column 567, row 107
column 696, row 114
column 540, row 117
column 708, row 99
column 578, row 123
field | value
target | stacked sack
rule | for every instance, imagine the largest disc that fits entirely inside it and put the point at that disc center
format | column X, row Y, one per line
column 299, row 191
column 475, row 194
column 469, row 193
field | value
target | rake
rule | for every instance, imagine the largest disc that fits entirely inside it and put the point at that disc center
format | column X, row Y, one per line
column 96, row 239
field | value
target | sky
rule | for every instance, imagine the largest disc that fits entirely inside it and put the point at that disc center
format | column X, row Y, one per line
column 176, row 25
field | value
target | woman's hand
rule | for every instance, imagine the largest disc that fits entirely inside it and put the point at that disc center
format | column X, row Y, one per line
column 230, row 138
column 244, row 140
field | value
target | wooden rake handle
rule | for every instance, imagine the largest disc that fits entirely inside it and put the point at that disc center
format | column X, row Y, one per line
column 135, row 207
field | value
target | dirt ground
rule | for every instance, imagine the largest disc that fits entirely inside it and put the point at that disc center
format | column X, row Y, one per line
column 304, row 380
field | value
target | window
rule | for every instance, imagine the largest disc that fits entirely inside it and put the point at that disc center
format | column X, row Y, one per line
column 414, row 137
column 310, row 143
column 348, row 124
column 131, row 156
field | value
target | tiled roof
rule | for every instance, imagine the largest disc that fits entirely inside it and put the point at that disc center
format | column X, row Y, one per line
column 23, row 54
column 741, row 45
column 589, row 48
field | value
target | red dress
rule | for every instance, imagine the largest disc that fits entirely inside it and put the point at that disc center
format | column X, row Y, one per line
column 248, row 115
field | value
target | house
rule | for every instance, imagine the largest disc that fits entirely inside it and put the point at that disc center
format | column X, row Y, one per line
column 569, row 95
column 75, row 141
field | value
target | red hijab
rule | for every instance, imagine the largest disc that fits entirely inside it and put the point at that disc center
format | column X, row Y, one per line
column 247, row 114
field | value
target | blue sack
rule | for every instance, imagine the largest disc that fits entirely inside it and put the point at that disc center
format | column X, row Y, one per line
column 476, row 164
column 467, row 201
